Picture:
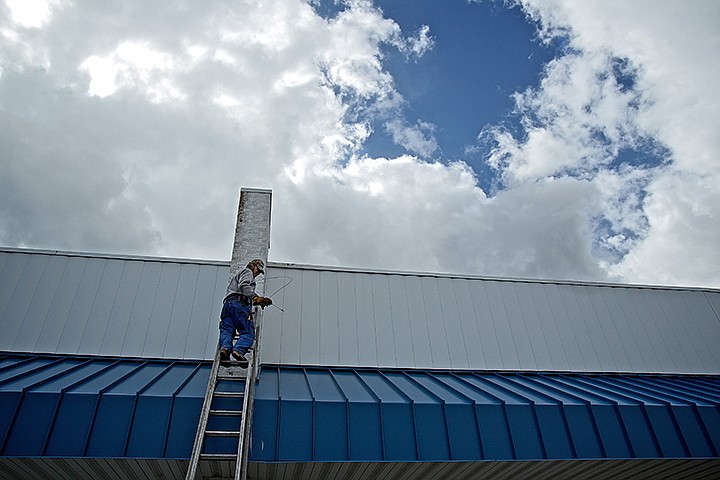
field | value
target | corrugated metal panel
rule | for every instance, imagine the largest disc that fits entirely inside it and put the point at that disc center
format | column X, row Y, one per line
column 333, row 414
column 384, row 319
column 54, row 302
column 121, row 469
column 99, row 407
column 152, row 469
column 102, row 408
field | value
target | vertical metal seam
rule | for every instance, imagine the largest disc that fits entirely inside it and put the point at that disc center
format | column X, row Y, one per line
column 380, row 410
column 137, row 402
column 460, row 322
column 11, row 424
column 678, row 430
column 114, row 301
column 705, row 431
column 300, row 307
column 92, row 304
column 589, row 322
column 23, row 394
column 320, row 308
column 553, row 319
column 279, row 416
column 347, row 415
column 15, row 287
column 132, row 308
column 500, row 403
column 651, row 429
column 571, row 322
column 61, row 396
column 523, row 322
column 658, row 358
column 374, row 322
column 313, row 410
column 172, row 405
column 191, row 310
column 410, row 323
column 440, row 400
column 504, row 302
column 99, row 401
column 441, row 321
column 154, row 304
column 172, row 310
column 60, row 281
column 563, row 413
column 391, row 322
column 494, row 334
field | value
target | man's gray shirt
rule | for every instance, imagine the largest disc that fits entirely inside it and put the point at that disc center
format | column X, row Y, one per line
column 242, row 284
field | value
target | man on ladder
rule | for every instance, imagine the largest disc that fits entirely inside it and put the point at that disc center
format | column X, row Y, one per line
column 236, row 312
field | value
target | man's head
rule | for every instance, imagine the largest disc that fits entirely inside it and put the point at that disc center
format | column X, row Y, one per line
column 257, row 266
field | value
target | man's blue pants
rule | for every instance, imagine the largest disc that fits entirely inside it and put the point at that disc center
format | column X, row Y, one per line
column 236, row 317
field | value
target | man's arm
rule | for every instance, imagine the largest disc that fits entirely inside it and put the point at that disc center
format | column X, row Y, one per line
column 246, row 283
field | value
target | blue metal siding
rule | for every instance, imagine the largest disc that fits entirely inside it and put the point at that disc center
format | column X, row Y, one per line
column 393, row 415
column 57, row 406
column 95, row 407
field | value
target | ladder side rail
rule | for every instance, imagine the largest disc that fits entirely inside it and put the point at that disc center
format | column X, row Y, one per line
column 202, row 422
column 258, row 323
column 248, row 401
column 247, row 430
column 239, row 460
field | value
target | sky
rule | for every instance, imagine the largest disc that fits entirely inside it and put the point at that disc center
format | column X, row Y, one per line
column 549, row 139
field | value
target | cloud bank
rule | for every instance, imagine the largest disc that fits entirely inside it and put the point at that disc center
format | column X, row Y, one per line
column 131, row 129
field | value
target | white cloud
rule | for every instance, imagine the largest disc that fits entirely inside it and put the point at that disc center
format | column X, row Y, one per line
column 681, row 245
column 135, row 137
column 418, row 139
column 580, row 118
column 576, row 121
column 133, row 65
column 417, row 46
column 30, row 13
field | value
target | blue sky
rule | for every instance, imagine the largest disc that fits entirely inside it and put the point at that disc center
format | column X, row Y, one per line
column 481, row 54
column 543, row 139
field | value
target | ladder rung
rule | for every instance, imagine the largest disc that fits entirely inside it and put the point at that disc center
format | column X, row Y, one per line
column 218, row 456
column 221, row 433
column 229, row 394
column 226, row 413
column 232, row 377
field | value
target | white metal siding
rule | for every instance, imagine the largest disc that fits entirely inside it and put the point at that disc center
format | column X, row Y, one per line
column 55, row 302
column 389, row 319
column 92, row 305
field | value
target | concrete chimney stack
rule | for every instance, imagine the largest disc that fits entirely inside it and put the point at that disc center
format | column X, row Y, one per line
column 252, row 230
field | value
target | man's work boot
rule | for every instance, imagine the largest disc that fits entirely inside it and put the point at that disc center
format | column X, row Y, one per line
column 224, row 355
column 240, row 358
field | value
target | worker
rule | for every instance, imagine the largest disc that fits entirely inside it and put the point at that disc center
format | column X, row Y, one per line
column 236, row 312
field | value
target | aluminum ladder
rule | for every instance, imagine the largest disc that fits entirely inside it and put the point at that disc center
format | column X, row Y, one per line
column 223, row 432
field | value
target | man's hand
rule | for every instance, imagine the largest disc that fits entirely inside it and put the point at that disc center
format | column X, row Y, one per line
column 262, row 301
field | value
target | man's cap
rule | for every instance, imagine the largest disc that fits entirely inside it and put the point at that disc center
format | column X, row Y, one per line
column 259, row 264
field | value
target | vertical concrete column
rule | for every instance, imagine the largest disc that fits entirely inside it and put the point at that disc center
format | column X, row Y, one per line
column 252, row 230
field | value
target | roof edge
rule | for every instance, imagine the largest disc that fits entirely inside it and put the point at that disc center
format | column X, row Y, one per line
column 114, row 256
column 334, row 268
column 467, row 276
